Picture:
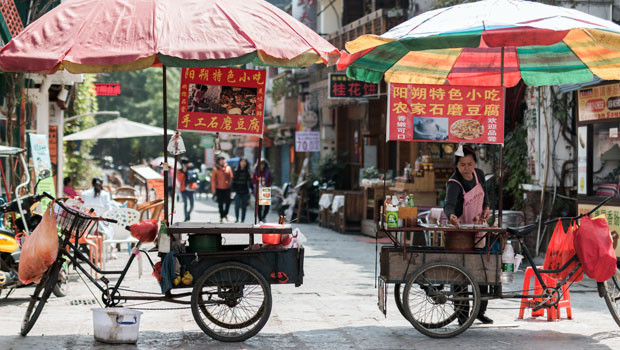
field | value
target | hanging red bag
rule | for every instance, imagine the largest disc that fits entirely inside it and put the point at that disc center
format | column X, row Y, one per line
column 561, row 252
column 39, row 250
column 553, row 249
column 595, row 248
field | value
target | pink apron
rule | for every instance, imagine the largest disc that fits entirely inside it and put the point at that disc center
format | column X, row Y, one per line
column 472, row 208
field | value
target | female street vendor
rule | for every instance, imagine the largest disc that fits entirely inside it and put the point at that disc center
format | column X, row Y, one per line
column 466, row 199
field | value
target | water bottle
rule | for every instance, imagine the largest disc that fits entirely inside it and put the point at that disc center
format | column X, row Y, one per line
column 508, row 263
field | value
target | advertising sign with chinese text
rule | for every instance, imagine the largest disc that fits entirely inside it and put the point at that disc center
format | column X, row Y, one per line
column 40, row 149
column 341, row 86
column 226, row 100
column 307, row 141
column 599, row 102
column 445, row 113
column 612, row 213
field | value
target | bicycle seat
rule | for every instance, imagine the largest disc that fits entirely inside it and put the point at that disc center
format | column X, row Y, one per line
column 521, row 231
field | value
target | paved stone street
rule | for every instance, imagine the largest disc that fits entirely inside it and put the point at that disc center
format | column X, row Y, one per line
column 334, row 309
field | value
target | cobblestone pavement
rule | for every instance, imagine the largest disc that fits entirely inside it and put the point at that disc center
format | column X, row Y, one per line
column 335, row 308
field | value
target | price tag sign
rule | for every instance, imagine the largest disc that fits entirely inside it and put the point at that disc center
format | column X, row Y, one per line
column 264, row 196
column 307, row 141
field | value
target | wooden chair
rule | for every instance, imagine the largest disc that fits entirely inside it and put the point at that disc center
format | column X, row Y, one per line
column 349, row 216
column 131, row 202
column 151, row 210
column 125, row 191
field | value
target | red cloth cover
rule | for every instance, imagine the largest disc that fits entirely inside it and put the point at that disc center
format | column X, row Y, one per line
column 595, row 249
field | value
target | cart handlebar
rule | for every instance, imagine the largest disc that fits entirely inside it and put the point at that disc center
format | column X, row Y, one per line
column 582, row 215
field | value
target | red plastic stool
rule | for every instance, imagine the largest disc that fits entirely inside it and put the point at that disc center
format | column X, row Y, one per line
column 530, row 303
column 552, row 313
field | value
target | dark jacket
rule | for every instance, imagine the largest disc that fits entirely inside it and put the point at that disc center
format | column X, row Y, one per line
column 454, row 193
column 241, row 181
column 265, row 175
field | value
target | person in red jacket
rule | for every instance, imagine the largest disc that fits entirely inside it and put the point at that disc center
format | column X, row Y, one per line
column 221, row 181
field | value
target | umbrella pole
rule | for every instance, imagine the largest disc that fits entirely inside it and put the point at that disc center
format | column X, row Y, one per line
column 166, row 168
column 260, row 150
column 501, row 157
column 174, row 187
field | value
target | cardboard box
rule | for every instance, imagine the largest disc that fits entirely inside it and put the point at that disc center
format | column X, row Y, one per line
column 407, row 212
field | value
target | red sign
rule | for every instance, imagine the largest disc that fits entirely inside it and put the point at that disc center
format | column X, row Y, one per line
column 227, row 100
column 105, row 89
column 445, row 113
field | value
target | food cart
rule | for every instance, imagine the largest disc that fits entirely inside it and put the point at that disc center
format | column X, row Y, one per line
column 213, row 99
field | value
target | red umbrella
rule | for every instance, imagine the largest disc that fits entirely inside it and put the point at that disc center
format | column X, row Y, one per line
column 117, row 35
column 93, row 36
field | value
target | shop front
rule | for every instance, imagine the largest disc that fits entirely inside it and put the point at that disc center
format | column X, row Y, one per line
column 598, row 155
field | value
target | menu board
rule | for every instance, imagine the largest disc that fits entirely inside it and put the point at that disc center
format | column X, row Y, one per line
column 226, row 100
column 445, row 113
column 599, row 102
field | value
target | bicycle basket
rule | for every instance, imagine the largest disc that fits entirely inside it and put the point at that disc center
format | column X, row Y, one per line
column 73, row 221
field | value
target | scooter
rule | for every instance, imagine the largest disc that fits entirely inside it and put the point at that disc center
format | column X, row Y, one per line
column 9, row 245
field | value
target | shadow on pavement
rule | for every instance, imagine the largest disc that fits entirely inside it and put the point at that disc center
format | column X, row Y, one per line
column 365, row 337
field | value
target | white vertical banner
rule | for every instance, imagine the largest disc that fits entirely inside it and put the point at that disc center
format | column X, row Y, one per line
column 582, row 160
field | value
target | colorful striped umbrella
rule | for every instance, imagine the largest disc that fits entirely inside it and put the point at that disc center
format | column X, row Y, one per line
column 92, row 36
column 464, row 45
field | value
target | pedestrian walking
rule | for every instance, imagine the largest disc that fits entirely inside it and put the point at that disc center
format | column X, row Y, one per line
column 187, row 179
column 262, row 178
column 241, row 185
column 221, row 181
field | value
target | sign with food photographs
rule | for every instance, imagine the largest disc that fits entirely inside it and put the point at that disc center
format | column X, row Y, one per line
column 341, row 86
column 445, row 113
column 226, row 100
column 599, row 102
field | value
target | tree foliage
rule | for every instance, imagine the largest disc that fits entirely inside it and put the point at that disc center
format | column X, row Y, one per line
column 78, row 161
column 141, row 101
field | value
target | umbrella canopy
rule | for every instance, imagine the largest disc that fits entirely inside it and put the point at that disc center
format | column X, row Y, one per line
column 94, row 36
column 119, row 128
column 6, row 151
column 465, row 44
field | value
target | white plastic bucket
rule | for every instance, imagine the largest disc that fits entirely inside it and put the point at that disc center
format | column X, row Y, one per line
column 116, row 325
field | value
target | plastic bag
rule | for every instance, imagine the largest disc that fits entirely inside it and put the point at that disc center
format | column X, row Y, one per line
column 40, row 249
column 560, row 250
column 297, row 239
column 145, row 231
column 594, row 247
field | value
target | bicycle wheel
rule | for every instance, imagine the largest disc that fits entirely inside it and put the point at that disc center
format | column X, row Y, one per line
column 436, row 295
column 612, row 296
column 41, row 293
column 237, row 304
column 398, row 298
column 62, row 285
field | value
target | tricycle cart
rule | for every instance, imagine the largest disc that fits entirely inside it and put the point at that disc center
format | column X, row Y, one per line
column 439, row 291
column 231, row 293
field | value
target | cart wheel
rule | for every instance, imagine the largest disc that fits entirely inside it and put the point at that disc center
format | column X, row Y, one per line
column 231, row 302
column 436, row 295
column 612, row 296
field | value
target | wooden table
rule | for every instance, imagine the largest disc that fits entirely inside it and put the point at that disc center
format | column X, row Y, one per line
column 391, row 232
column 202, row 228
